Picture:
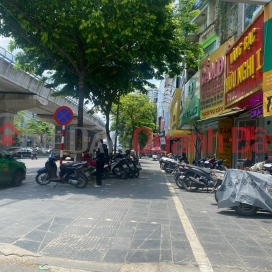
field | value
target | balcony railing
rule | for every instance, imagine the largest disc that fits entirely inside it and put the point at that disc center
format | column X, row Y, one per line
column 11, row 58
column 199, row 4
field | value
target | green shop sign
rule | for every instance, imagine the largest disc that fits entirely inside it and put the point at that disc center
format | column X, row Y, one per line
column 162, row 134
column 191, row 98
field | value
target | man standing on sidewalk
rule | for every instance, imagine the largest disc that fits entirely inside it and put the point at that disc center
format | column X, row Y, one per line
column 101, row 157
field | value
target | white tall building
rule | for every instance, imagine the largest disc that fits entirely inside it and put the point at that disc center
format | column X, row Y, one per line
column 165, row 92
column 153, row 95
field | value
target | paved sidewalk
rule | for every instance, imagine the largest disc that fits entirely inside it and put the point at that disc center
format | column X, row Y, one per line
column 229, row 240
column 127, row 223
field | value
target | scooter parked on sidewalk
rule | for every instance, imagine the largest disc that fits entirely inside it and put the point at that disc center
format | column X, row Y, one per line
column 117, row 167
column 72, row 173
column 245, row 192
column 138, row 166
column 194, row 178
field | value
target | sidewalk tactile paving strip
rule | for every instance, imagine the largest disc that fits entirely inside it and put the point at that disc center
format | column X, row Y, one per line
column 107, row 224
column 67, row 239
column 83, row 222
column 104, row 232
column 76, row 230
column 92, row 249
column 91, row 242
column 115, row 215
column 59, row 250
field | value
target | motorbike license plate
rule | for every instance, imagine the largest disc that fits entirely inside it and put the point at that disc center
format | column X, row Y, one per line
column 124, row 166
column 131, row 165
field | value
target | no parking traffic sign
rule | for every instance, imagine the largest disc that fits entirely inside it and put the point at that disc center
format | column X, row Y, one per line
column 63, row 115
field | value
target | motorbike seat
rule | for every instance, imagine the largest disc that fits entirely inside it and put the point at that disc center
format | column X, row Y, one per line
column 64, row 165
column 206, row 170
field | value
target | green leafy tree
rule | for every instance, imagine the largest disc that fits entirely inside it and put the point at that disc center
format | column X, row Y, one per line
column 75, row 38
column 135, row 111
column 19, row 120
column 36, row 127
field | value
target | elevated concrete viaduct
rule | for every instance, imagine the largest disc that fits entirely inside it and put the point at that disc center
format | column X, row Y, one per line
column 22, row 91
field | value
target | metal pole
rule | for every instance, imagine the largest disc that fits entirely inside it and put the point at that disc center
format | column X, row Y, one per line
column 243, row 16
column 62, row 145
column 117, row 120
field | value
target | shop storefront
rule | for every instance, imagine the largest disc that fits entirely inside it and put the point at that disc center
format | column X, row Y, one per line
column 212, row 79
column 190, row 112
column 174, row 130
column 243, row 89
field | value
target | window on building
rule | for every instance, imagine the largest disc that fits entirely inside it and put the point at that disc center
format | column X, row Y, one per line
column 249, row 13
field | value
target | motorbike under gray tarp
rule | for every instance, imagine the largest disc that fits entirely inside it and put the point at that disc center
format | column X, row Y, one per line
column 251, row 188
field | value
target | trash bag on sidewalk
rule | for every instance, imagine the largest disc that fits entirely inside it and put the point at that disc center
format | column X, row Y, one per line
column 241, row 186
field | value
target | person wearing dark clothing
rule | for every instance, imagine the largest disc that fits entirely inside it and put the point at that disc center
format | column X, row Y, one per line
column 101, row 158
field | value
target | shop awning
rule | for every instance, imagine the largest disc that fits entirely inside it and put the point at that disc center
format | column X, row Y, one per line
column 225, row 113
column 180, row 131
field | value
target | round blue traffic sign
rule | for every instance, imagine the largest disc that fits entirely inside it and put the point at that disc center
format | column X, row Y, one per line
column 63, row 115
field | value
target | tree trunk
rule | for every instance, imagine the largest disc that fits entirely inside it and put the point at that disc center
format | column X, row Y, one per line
column 107, row 126
column 116, row 129
column 80, row 115
column 80, row 100
column 131, row 140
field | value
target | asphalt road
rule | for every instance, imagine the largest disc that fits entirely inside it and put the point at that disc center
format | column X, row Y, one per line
column 142, row 224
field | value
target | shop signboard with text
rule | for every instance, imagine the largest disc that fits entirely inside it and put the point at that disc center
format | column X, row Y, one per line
column 244, row 66
column 212, row 82
column 191, row 100
column 174, row 111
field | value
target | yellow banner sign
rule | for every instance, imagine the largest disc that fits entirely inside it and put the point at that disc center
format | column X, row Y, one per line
column 267, row 103
column 225, row 129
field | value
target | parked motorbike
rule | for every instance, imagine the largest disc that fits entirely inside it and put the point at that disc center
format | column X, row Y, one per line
column 162, row 162
column 71, row 173
column 200, row 162
column 117, row 167
column 208, row 163
column 169, row 165
column 137, row 166
column 218, row 165
column 194, row 178
column 245, row 192
column 33, row 156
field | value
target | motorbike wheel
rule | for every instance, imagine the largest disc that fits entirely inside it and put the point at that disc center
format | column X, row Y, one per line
column 136, row 173
column 179, row 183
column 42, row 179
column 245, row 209
column 123, row 175
column 216, row 199
column 187, row 183
column 82, row 180
column 131, row 174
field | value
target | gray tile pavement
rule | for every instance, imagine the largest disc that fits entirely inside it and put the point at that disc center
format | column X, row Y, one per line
column 131, row 221
column 229, row 240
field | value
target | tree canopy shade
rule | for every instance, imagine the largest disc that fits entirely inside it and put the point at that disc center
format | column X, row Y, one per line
column 135, row 111
column 77, row 37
